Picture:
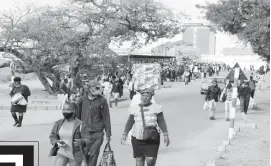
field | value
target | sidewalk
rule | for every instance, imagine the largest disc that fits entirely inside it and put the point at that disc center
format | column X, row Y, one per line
column 251, row 147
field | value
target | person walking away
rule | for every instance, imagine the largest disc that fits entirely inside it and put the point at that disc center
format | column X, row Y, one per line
column 93, row 111
column 63, row 93
column 70, row 136
column 244, row 96
column 212, row 96
column 24, row 91
column 252, row 85
column 228, row 90
column 146, row 114
column 116, row 90
column 107, row 88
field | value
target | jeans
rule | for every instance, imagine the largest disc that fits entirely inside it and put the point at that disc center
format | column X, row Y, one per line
column 61, row 160
column 244, row 103
column 252, row 93
column 228, row 105
column 212, row 107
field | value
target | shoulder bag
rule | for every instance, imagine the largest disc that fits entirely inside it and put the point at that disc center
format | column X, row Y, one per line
column 224, row 97
column 150, row 132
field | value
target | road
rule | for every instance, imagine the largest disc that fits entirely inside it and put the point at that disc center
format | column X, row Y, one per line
column 188, row 125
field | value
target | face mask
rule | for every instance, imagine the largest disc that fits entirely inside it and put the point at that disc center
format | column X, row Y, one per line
column 67, row 115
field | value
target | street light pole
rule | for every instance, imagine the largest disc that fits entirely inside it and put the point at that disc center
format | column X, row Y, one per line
column 234, row 101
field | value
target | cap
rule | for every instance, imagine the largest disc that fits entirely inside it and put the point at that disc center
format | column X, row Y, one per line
column 17, row 79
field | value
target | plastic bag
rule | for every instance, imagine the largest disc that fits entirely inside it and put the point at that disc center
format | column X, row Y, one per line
column 108, row 157
column 205, row 106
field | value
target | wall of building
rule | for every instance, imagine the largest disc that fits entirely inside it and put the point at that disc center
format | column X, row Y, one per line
column 202, row 37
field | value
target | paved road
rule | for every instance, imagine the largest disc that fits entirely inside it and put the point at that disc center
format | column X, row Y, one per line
column 188, row 125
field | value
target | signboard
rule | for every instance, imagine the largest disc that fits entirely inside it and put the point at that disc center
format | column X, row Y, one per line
column 146, row 76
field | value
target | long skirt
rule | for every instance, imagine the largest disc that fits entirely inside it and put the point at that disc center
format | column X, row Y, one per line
column 145, row 148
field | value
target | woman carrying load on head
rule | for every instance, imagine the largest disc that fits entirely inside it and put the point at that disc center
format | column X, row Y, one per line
column 143, row 116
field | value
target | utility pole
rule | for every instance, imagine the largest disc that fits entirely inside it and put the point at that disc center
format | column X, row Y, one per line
column 234, row 101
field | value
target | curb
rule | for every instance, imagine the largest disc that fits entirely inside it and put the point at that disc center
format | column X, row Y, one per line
column 222, row 148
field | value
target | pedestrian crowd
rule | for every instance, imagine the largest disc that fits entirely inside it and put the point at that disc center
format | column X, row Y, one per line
column 77, row 138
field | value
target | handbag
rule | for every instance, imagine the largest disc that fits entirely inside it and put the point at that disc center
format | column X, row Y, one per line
column 205, row 106
column 16, row 98
column 108, row 157
column 150, row 132
column 224, row 97
column 53, row 151
column 22, row 101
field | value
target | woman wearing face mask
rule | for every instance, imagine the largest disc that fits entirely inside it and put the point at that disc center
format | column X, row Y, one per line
column 149, row 115
column 15, row 107
column 71, row 138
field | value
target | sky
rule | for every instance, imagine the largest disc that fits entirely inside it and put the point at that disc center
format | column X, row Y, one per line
column 186, row 6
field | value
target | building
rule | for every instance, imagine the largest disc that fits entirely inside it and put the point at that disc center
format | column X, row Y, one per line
column 202, row 37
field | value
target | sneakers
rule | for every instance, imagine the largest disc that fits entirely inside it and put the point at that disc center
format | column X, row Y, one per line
column 227, row 119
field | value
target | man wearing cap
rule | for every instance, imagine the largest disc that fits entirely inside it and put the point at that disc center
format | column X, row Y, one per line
column 212, row 97
column 93, row 111
column 16, row 105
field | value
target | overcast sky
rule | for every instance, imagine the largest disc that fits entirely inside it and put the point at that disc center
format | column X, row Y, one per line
column 187, row 6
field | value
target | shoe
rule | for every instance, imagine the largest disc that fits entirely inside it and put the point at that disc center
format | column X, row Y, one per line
column 227, row 119
column 211, row 118
column 15, row 124
column 19, row 125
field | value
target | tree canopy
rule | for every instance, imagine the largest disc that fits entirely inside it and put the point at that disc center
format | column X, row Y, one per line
column 80, row 32
column 248, row 19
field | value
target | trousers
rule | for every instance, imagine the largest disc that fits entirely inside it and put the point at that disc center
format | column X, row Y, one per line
column 94, row 149
column 244, row 103
column 212, row 107
column 228, row 105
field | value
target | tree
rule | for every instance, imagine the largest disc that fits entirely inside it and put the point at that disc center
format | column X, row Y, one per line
column 79, row 34
column 248, row 19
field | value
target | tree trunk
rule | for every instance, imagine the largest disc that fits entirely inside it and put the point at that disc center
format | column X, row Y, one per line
column 45, row 82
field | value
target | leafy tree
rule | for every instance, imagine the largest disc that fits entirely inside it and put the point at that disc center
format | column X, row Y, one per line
column 248, row 19
column 79, row 35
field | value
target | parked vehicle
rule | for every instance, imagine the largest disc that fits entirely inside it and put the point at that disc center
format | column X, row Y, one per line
column 221, row 81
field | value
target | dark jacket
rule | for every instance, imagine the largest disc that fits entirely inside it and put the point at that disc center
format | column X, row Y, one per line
column 244, row 91
column 77, row 134
column 116, row 87
column 94, row 114
column 213, row 93
column 25, row 93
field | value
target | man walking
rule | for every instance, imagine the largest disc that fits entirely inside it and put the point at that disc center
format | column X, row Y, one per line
column 244, row 96
column 93, row 111
column 212, row 96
